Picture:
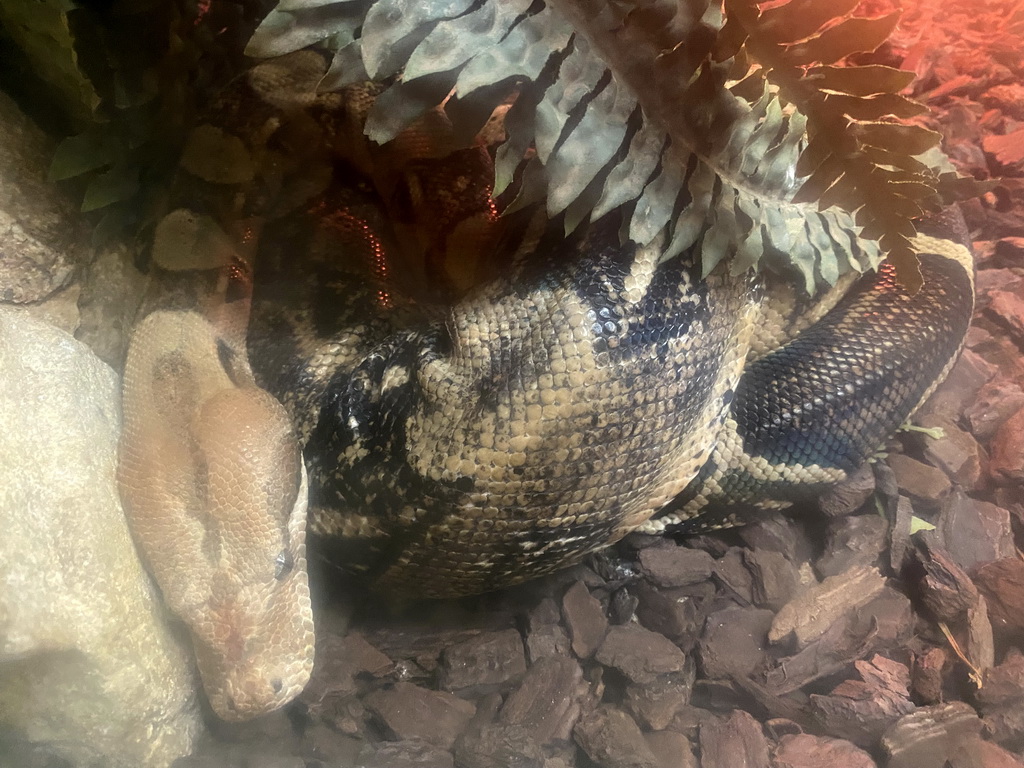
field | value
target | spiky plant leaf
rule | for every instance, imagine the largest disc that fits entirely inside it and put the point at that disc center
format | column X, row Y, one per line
column 628, row 178
column 454, row 42
column 696, row 117
column 859, row 157
column 839, row 41
column 346, row 67
column 393, row 28
column 522, row 54
column 297, row 25
column 866, row 80
column 301, row 5
column 579, row 75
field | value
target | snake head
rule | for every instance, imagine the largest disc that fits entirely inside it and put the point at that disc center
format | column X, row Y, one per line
column 254, row 636
column 215, row 490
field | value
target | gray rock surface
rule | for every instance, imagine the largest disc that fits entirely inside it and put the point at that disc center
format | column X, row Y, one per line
column 112, row 289
column 47, row 267
column 41, row 235
column 88, row 665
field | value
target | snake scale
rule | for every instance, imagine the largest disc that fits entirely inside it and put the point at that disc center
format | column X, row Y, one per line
column 586, row 390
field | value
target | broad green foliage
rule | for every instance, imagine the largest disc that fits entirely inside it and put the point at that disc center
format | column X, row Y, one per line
column 150, row 65
column 718, row 124
column 42, row 31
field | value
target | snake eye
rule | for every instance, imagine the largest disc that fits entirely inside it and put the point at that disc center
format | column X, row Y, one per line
column 283, row 565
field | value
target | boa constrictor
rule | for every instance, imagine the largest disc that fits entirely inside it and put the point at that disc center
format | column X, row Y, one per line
column 586, row 391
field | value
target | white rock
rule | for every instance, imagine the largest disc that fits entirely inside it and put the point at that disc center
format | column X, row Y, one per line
column 88, row 661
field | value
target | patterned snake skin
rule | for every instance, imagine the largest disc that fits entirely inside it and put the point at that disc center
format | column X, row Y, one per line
column 586, row 391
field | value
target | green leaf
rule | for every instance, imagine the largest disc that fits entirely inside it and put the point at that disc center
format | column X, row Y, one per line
column 586, row 149
column 885, row 158
column 954, row 188
column 403, row 103
column 346, row 68
column 935, row 433
column 521, row 54
column 303, row 5
column 119, row 183
column 282, row 32
column 135, row 92
column 817, row 236
column 917, row 525
column 578, row 77
column 627, row 179
column 393, row 28
column 730, row 40
column 655, row 206
column 80, row 154
column 519, row 129
column 454, row 42
column 904, row 258
column 818, row 182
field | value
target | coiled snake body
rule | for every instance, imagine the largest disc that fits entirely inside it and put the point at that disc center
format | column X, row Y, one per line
column 587, row 391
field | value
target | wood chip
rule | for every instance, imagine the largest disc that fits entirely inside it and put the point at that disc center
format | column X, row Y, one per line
column 585, row 618
column 612, row 739
column 408, row 711
column 733, row 741
column 1002, row 584
column 805, row 618
column 491, row 659
column 734, row 642
column 1007, row 451
column 946, row 589
column 639, row 654
column 927, row 737
column 861, row 710
column 807, row 751
column 674, row 566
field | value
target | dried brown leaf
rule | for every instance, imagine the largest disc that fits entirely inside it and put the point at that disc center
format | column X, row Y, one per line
column 847, row 37
column 865, row 80
column 896, row 137
column 824, row 176
column 800, row 19
column 874, row 107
